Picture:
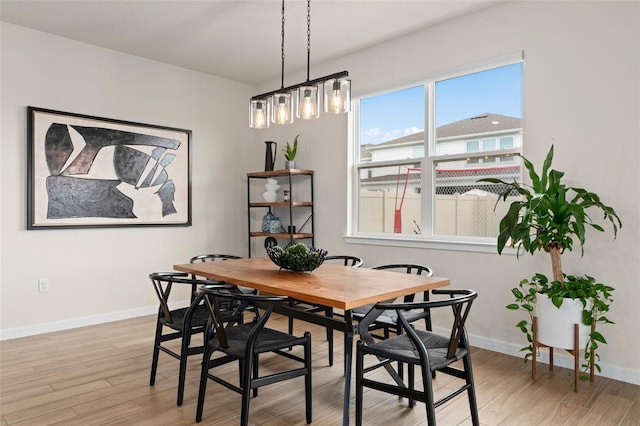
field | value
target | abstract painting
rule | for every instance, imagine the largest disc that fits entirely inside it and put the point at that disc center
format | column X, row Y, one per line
column 86, row 171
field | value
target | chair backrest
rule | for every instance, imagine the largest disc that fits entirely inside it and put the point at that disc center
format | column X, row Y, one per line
column 459, row 300
column 163, row 283
column 215, row 297
column 212, row 257
column 409, row 268
column 352, row 261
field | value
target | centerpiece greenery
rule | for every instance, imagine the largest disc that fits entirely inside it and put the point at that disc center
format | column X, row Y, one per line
column 550, row 216
column 297, row 257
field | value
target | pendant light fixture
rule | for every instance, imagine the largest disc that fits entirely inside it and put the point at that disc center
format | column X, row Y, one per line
column 276, row 107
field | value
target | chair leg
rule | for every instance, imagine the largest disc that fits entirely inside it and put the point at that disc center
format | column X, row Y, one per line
column 359, row 392
column 428, row 390
column 246, row 391
column 203, row 381
column 156, row 353
column 255, row 373
column 471, row 390
column 397, row 332
column 184, row 354
column 412, row 375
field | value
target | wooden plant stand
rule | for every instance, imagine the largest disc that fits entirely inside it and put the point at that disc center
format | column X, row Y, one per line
column 575, row 352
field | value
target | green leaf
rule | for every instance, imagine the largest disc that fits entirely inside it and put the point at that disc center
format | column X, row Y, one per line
column 597, row 336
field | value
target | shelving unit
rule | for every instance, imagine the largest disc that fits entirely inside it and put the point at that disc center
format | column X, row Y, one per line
column 294, row 179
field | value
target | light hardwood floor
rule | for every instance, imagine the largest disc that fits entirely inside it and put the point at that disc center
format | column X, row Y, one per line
column 99, row 375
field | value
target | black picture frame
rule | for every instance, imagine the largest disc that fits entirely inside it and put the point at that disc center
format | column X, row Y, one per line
column 89, row 172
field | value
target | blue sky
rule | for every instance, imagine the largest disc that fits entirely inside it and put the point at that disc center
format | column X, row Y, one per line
column 393, row 115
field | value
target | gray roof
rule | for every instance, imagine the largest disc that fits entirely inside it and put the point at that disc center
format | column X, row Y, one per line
column 483, row 123
column 416, row 137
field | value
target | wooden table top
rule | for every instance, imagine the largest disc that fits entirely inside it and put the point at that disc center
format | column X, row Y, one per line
column 337, row 286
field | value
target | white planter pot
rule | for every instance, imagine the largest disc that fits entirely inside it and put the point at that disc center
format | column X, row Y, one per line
column 556, row 326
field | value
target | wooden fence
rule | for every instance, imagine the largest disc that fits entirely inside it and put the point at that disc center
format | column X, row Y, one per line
column 464, row 215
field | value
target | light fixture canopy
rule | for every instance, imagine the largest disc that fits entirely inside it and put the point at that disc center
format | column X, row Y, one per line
column 277, row 106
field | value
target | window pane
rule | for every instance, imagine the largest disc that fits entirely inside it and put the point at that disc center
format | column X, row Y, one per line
column 506, row 142
column 392, row 125
column 463, row 206
column 489, row 144
column 391, row 128
column 474, row 112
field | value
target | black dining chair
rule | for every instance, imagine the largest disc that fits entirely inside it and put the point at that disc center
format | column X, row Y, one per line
column 212, row 257
column 180, row 323
column 346, row 260
column 388, row 321
column 245, row 343
column 429, row 351
column 218, row 258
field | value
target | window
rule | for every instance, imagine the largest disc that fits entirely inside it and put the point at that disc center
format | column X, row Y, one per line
column 443, row 135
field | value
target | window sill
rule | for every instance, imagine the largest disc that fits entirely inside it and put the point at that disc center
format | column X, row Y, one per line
column 432, row 244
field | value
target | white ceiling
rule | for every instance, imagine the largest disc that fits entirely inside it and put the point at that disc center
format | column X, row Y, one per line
column 236, row 39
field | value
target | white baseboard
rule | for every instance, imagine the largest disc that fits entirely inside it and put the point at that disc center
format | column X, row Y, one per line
column 560, row 358
column 15, row 333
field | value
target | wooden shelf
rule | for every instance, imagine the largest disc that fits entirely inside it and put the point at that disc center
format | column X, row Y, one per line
column 281, row 235
column 275, row 173
column 282, row 204
column 296, row 180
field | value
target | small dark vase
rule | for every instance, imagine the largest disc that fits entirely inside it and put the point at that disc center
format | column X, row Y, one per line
column 270, row 155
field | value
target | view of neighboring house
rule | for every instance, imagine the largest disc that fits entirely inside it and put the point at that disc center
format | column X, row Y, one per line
column 480, row 146
column 474, row 135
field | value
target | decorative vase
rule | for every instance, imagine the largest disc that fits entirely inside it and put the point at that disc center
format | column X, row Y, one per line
column 266, row 222
column 272, row 186
column 556, row 325
column 289, row 165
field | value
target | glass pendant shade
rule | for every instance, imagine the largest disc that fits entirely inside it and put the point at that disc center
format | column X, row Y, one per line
column 259, row 115
column 337, row 96
column 308, row 102
column 282, row 108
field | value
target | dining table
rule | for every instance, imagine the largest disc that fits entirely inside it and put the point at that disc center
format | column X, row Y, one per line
column 331, row 285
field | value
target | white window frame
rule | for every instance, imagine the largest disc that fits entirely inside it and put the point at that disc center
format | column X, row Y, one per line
column 427, row 239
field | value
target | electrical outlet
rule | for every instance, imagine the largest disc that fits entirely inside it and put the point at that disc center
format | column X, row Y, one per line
column 43, row 285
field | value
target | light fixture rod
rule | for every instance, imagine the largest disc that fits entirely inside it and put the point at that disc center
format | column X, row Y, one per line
column 282, row 46
column 306, row 83
column 308, row 37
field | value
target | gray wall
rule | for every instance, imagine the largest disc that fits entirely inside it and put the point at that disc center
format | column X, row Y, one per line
column 581, row 92
column 101, row 274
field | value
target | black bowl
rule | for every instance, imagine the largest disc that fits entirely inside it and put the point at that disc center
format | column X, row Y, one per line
column 295, row 261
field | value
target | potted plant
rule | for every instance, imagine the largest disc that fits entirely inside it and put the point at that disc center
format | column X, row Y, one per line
column 549, row 216
column 290, row 151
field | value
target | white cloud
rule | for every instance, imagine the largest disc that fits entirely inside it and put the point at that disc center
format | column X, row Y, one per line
column 372, row 133
column 393, row 134
column 411, row 130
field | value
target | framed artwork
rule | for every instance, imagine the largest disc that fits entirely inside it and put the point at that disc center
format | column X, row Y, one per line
column 86, row 172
